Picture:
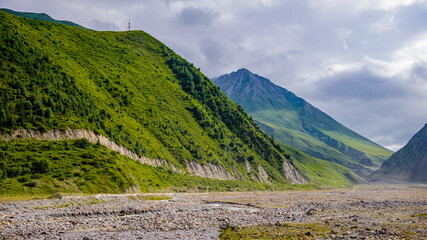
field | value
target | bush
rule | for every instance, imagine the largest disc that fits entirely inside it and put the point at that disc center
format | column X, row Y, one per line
column 23, row 179
column 42, row 128
column 3, row 172
column 82, row 143
column 42, row 166
column 13, row 172
column 31, row 184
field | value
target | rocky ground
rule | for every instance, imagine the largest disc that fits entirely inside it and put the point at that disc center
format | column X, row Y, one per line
column 368, row 211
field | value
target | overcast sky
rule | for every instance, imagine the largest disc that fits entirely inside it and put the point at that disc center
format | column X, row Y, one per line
column 363, row 62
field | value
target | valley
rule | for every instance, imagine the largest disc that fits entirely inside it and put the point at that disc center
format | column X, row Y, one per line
column 374, row 211
column 113, row 135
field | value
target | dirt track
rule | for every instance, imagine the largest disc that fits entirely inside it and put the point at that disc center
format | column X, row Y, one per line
column 369, row 211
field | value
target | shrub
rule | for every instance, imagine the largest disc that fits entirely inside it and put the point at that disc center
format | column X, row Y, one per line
column 42, row 128
column 13, row 172
column 31, row 184
column 42, row 166
column 3, row 172
column 23, row 179
column 82, row 143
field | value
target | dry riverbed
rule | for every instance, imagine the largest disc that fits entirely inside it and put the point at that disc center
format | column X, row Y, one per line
column 366, row 212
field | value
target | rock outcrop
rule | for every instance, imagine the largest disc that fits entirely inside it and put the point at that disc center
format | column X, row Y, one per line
column 291, row 174
column 263, row 176
column 209, row 170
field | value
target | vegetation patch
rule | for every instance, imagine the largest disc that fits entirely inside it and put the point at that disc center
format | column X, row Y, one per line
column 154, row 197
column 278, row 231
column 64, row 166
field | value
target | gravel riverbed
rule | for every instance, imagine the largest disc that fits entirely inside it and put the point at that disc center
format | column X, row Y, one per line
column 386, row 211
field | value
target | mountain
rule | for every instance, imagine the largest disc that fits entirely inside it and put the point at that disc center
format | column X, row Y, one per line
column 40, row 16
column 127, row 93
column 409, row 163
column 295, row 122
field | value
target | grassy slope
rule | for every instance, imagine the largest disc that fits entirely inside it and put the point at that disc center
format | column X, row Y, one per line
column 284, row 121
column 39, row 16
column 322, row 171
column 80, row 167
column 129, row 87
column 318, row 170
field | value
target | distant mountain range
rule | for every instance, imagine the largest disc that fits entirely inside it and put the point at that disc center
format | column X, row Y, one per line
column 409, row 163
column 293, row 121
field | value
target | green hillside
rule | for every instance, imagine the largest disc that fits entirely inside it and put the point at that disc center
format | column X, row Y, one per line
column 295, row 122
column 132, row 89
column 409, row 163
column 320, row 171
column 45, row 167
column 39, row 16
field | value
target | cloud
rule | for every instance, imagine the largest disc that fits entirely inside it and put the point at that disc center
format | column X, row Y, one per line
column 383, row 104
column 360, row 85
column 196, row 16
column 104, row 26
column 385, row 24
column 355, row 7
column 363, row 63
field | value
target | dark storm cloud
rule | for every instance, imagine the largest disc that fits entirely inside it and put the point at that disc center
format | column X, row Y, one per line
column 359, row 85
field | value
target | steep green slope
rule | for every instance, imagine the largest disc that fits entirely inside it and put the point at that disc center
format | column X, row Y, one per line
column 409, row 163
column 322, row 171
column 131, row 88
column 319, row 171
column 39, row 16
column 45, row 167
column 295, row 122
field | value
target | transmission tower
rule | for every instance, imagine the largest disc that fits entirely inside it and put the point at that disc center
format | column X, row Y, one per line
column 129, row 25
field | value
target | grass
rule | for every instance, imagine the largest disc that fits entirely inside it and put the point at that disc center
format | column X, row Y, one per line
column 18, row 198
column 154, row 197
column 324, row 172
column 73, row 168
column 279, row 231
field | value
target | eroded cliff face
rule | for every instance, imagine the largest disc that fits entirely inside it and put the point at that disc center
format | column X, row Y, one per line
column 69, row 134
column 209, row 170
column 263, row 176
column 291, row 174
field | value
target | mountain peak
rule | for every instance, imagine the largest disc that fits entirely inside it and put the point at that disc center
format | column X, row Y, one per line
column 243, row 70
column 248, row 85
column 298, row 123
